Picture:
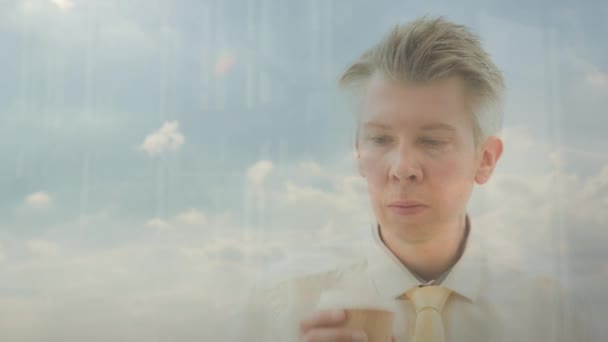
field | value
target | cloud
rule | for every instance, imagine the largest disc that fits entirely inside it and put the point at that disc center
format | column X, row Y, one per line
column 238, row 249
column 228, row 254
column 545, row 209
column 148, row 287
column 310, row 167
column 167, row 138
column 297, row 204
column 541, row 192
column 167, row 284
column 121, row 290
column 181, row 288
column 598, row 79
column 42, row 248
column 345, row 196
column 593, row 74
column 160, row 224
column 38, row 200
column 258, row 172
column 63, row 4
column 191, row 217
column 542, row 212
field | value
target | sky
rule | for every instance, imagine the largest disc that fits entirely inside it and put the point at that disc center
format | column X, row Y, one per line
column 156, row 155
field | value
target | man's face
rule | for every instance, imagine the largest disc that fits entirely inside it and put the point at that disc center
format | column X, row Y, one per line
column 416, row 146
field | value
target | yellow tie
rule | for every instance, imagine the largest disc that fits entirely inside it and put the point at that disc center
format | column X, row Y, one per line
column 429, row 302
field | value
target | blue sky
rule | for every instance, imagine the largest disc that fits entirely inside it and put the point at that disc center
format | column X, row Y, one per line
column 149, row 146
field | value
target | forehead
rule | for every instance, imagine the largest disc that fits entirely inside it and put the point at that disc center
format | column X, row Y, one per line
column 391, row 103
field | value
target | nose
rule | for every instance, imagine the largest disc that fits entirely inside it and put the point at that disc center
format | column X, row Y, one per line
column 405, row 166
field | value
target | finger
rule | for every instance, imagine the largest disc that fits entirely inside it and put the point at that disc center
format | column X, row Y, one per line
column 334, row 335
column 322, row 318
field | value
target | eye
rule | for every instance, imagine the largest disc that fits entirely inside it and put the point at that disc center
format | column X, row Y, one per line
column 432, row 142
column 381, row 140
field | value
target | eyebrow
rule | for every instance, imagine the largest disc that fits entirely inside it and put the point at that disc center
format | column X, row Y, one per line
column 438, row 126
column 377, row 125
column 428, row 127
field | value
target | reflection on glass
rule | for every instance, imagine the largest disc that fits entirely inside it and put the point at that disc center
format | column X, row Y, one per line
column 159, row 156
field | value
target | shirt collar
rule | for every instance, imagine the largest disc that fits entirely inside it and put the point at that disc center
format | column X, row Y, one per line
column 392, row 278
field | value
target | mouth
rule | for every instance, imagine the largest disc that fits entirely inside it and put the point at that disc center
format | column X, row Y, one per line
column 406, row 203
column 407, row 208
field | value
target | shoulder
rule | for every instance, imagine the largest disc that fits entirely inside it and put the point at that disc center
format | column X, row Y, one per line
column 518, row 279
column 515, row 286
column 535, row 290
column 538, row 304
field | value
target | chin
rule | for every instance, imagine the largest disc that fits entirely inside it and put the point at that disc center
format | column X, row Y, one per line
column 400, row 221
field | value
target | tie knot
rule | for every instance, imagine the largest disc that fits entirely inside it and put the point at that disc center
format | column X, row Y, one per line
column 429, row 297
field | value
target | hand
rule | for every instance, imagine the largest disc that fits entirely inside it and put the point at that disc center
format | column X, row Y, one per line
column 324, row 326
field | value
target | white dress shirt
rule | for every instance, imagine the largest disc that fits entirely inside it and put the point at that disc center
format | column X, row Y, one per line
column 490, row 301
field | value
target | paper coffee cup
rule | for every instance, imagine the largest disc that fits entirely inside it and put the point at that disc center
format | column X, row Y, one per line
column 377, row 323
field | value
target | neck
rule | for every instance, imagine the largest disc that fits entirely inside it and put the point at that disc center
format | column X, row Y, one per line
column 431, row 258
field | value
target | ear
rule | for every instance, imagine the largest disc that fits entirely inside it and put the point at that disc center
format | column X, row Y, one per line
column 490, row 154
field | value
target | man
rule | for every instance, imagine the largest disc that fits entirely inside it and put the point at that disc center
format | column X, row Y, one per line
column 429, row 118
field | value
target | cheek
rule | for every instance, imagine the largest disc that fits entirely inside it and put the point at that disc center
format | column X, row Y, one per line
column 452, row 169
column 452, row 181
column 448, row 170
column 374, row 167
column 375, row 172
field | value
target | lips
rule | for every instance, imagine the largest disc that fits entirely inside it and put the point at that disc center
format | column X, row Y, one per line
column 407, row 207
column 406, row 204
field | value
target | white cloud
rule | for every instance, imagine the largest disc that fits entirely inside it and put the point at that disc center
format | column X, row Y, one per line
column 343, row 199
column 191, row 217
column 165, row 284
column 536, row 187
column 299, row 200
column 544, row 206
column 167, row 138
column 38, row 200
column 63, row 4
column 43, row 248
column 598, row 79
column 160, row 224
column 123, row 291
column 258, row 172
column 593, row 75
column 310, row 167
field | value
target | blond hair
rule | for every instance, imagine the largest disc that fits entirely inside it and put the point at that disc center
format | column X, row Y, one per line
column 429, row 49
